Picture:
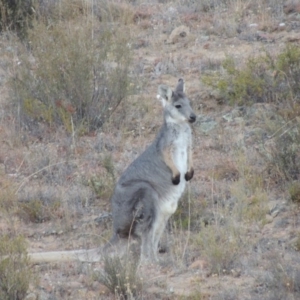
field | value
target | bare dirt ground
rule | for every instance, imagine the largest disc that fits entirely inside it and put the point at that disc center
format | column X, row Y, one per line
column 170, row 42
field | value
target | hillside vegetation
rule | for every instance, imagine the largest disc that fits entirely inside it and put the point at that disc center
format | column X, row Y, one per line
column 78, row 83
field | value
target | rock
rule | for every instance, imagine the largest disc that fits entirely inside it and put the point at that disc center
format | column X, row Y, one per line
column 178, row 34
column 198, row 264
column 44, row 296
column 31, row 296
column 269, row 219
column 217, row 96
column 292, row 38
column 103, row 290
column 207, row 126
column 291, row 6
column 234, row 115
column 236, row 272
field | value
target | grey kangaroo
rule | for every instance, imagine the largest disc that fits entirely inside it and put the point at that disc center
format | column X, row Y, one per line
column 148, row 192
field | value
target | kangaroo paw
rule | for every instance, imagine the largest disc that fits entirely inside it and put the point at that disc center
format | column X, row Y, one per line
column 176, row 179
column 189, row 175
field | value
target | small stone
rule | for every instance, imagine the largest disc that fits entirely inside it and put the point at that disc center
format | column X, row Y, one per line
column 103, row 290
column 236, row 273
column 31, row 296
column 269, row 219
column 207, row 126
column 177, row 34
column 198, row 264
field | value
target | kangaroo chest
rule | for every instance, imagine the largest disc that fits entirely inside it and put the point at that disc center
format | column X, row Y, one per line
column 180, row 150
column 181, row 143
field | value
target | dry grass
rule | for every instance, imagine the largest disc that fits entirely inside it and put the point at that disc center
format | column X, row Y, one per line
column 121, row 277
column 80, row 96
column 15, row 275
column 58, row 172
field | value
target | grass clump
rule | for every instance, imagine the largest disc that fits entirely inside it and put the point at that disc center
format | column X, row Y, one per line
column 272, row 80
column 17, row 15
column 262, row 79
column 285, row 156
column 37, row 211
column 249, row 199
column 247, row 85
column 221, row 247
column 72, row 76
column 297, row 242
column 15, row 274
column 294, row 191
column 288, row 72
column 103, row 184
column 8, row 198
column 281, row 151
column 249, row 206
column 186, row 216
column 282, row 279
column 120, row 277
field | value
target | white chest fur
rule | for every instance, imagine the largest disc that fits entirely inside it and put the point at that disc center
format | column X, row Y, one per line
column 180, row 152
column 180, row 157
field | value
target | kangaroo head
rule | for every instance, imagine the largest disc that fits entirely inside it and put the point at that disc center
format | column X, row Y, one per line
column 176, row 105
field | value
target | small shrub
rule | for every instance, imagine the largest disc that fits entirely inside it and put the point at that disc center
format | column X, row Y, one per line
column 262, row 79
column 37, row 211
column 186, row 215
column 195, row 295
column 111, row 11
column 78, row 79
column 55, row 11
column 247, row 85
column 249, row 200
column 286, row 156
column 282, row 278
column 15, row 274
column 294, row 191
column 109, row 165
column 17, row 15
column 297, row 242
column 225, row 171
column 103, row 184
column 120, row 277
column 8, row 198
column 282, row 151
column 273, row 80
column 221, row 247
column 288, row 72
column 250, row 206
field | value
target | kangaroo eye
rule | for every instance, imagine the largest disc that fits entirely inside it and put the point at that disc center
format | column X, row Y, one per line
column 178, row 106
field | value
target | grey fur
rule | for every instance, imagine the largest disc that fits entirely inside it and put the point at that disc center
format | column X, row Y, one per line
column 148, row 191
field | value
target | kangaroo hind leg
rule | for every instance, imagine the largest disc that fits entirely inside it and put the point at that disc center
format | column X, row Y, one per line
column 147, row 210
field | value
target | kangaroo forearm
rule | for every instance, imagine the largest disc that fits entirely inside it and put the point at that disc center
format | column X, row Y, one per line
column 167, row 157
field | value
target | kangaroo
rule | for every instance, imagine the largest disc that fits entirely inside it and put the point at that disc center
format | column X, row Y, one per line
column 148, row 191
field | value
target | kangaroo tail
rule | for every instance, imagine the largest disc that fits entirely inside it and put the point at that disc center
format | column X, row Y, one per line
column 91, row 255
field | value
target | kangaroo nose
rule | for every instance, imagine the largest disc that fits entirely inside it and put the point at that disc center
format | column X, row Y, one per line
column 192, row 118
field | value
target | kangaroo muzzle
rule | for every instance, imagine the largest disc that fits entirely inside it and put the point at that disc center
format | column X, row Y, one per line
column 192, row 118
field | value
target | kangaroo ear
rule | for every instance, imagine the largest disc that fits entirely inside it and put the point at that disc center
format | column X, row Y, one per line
column 180, row 86
column 164, row 93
